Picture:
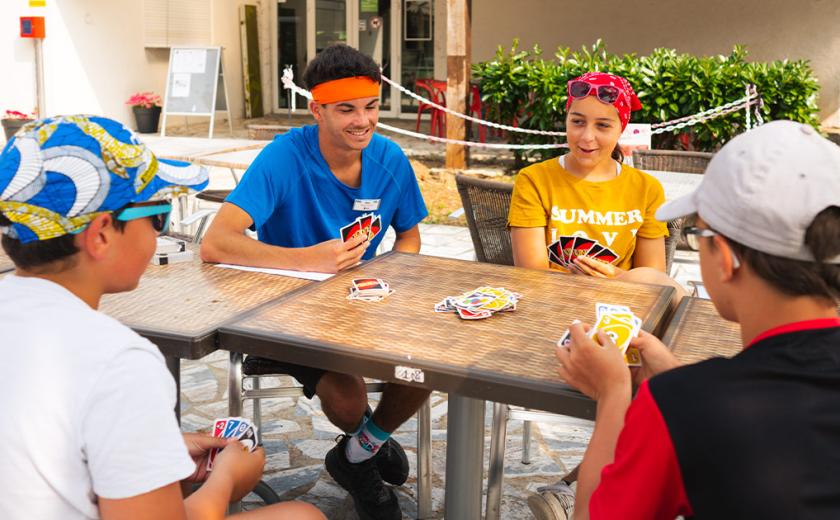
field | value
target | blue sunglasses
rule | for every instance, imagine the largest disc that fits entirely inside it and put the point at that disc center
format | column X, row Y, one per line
column 158, row 213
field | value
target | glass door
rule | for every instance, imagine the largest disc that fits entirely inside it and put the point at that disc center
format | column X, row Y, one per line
column 292, row 23
column 374, row 39
column 417, row 48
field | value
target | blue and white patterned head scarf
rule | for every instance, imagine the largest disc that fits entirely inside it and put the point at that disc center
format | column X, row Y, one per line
column 58, row 174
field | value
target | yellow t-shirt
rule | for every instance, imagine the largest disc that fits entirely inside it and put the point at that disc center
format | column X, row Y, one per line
column 613, row 212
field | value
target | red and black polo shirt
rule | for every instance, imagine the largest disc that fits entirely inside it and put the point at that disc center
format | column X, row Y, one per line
column 754, row 436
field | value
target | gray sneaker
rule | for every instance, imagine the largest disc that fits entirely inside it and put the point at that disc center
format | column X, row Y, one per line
column 556, row 502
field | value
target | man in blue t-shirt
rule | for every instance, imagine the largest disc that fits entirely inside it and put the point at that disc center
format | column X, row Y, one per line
column 297, row 194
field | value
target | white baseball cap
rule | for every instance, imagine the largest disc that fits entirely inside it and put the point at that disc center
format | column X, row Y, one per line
column 764, row 188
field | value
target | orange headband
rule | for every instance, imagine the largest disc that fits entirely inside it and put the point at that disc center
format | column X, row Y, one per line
column 345, row 89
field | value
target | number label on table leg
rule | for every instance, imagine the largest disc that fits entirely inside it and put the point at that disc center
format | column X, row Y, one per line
column 409, row 374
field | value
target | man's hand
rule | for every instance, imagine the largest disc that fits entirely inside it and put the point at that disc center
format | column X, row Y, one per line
column 656, row 357
column 199, row 445
column 334, row 255
column 593, row 267
column 244, row 468
column 594, row 370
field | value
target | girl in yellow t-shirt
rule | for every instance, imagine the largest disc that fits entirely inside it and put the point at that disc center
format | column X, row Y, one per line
column 588, row 192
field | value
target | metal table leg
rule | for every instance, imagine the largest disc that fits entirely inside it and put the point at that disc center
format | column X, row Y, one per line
column 174, row 366
column 464, row 457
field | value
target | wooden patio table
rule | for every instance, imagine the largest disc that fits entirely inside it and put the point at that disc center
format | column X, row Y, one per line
column 697, row 332
column 180, row 307
column 508, row 357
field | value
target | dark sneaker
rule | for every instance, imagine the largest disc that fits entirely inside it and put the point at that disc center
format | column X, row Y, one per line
column 372, row 498
column 392, row 462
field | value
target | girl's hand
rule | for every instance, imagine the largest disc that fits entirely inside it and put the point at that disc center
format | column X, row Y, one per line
column 592, row 267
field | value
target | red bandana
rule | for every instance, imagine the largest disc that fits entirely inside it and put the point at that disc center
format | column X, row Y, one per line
column 625, row 103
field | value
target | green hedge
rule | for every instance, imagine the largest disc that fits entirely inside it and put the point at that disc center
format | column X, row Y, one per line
column 522, row 85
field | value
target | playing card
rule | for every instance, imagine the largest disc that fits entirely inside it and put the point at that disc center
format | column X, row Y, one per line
column 619, row 331
column 581, row 246
column 606, row 255
column 633, row 357
column 365, row 221
column 473, row 315
column 565, row 251
column 350, row 230
column 249, row 438
column 552, row 256
column 230, row 428
column 375, row 227
column 596, row 248
column 219, row 427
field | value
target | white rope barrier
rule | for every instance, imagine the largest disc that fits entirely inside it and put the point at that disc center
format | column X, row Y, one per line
column 749, row 100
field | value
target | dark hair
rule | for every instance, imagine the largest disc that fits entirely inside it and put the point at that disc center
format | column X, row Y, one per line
column 617, row 154
column 339, row 61
column 53, row 255
column 802, row 278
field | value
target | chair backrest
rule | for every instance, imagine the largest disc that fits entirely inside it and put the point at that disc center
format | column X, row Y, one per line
column 486, row 204
column 671, row 160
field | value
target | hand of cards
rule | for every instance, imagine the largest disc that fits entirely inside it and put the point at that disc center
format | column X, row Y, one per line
column 369, row 290
column 564, row 251
column 237, row 428
column 480, row 303
column 620, row 324
column 369, row 224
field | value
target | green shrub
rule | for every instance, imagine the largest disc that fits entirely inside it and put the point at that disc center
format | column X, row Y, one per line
column 522, row 86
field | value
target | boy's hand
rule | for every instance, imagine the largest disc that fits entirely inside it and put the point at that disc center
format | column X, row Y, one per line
column 594, row 370
column 244, row 468
column 199, row 445
column 592, row 267
column 656, row 357
column 334, row 255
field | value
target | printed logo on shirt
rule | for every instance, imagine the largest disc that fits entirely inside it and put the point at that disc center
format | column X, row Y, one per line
column 609, row 218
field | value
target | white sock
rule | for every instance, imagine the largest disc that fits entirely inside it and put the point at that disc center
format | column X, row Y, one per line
column 366, row 443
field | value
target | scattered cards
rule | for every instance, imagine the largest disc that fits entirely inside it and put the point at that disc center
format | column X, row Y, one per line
column 369, row 290
column 564, row 251
column 620, row 324
column 480, row 303
column 237, row 428
column 369, row 224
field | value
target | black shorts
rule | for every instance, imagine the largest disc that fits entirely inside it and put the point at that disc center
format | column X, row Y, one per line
column 307, row 376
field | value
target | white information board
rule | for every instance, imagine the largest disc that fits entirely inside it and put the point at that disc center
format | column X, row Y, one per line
column 195, row 85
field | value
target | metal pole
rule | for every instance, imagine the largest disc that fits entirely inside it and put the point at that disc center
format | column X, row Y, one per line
column 173, row 363
column 464, row 458
column 39, row 78
column 424, row 460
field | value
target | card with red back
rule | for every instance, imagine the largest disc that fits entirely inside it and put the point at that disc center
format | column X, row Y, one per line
column 375, row 227
column 566, row 245
column 606, row 255
column 350, row 230
column 365, row 221
column 553, row 258
column 597, row 248
column 581, row 246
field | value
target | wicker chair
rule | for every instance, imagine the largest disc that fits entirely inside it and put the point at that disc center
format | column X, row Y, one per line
column 486, row 205
column 671, row 160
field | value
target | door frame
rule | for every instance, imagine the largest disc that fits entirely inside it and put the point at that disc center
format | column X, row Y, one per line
column 352, row 24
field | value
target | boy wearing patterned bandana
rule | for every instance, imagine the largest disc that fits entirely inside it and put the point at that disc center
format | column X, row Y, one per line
column 297, row 194
column 757, row 435
column 89, row 429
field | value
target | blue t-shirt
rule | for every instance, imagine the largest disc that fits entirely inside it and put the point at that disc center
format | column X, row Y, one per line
column 296, row 201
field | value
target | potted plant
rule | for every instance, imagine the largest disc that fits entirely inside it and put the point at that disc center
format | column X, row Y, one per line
column 13, row 120
column 146, row 107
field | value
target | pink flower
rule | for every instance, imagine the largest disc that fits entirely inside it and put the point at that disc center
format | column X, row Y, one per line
column 14, row 114
column 144, row 99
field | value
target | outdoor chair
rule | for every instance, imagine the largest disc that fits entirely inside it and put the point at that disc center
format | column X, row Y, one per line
column 437, row 117
column 486, row 205
column 671, row 160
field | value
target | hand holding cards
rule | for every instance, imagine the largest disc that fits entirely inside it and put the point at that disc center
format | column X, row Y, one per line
column 564, row 251
column 480, row 303
column 620, row 324
column 237, row 428
column 368, row 224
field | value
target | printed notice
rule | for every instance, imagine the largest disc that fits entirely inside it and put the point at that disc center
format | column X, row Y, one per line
column 180, row 85
column 190, row 61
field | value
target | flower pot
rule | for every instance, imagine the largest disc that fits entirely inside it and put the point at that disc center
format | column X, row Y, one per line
column 11, row 126
column 147, row 119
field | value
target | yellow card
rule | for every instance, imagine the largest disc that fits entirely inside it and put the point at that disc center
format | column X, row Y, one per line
column 618, row 330
column 633, row 357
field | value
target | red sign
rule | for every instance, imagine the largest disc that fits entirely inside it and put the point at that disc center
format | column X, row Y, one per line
column 32, row 27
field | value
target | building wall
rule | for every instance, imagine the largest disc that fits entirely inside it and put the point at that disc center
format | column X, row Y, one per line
column 771, row 29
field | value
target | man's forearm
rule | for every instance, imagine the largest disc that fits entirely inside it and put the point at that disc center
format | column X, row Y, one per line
column 609, row 420
column 210, row 501
column 234, row 248
column 409, row 244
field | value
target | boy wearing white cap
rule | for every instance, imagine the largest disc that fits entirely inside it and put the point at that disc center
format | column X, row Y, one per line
column 88, row 428
column 757, row 435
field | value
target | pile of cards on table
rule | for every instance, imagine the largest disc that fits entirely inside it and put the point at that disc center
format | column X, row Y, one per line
column 368, row 223
column 620, row 324
column 564, row 251
column 480, row 303
column 369, row 290
column 237, row 428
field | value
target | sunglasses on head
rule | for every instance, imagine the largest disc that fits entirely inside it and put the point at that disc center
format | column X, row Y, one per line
column 157, row 212
column 605, row 93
